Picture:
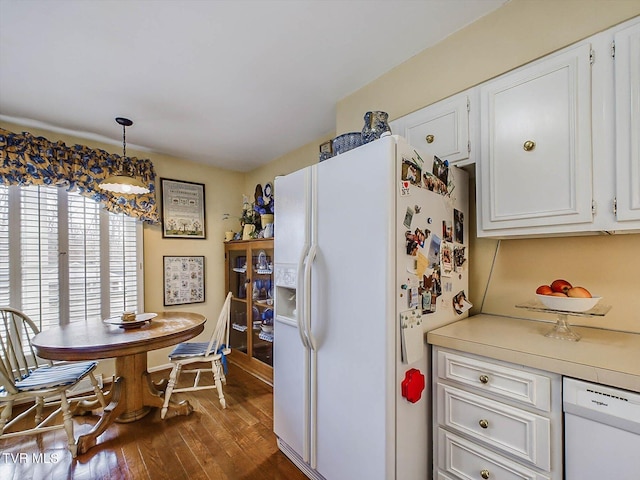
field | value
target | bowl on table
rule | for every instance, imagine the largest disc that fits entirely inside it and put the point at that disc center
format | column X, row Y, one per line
column 568, row 304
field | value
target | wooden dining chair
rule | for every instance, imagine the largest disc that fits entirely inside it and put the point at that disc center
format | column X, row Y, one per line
column 214, row 351
column 25, row 377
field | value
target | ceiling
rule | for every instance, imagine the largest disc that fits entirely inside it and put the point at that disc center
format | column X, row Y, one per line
column 230, row 83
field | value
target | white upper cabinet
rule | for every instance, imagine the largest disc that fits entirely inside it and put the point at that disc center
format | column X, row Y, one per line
column 442, row 129
column 560, row 142
column 627, row 104
column 535, row 166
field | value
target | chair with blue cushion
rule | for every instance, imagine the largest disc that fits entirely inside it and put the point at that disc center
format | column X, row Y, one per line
column 25, row 377
column 213, row 351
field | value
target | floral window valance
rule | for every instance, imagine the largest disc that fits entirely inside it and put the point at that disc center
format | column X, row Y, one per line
column 29, row 160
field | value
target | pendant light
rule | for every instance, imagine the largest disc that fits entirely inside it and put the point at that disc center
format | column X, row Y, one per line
column 124, row 181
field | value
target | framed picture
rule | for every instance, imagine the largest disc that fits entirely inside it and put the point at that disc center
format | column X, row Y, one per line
column 326, row 147
column 182, row 209
column 183, row 280
column 326, row 150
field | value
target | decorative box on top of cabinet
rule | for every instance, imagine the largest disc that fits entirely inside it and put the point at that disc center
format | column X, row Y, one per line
column 559, row 142
column 446, row 128
column 249, row 277
column 493, row 419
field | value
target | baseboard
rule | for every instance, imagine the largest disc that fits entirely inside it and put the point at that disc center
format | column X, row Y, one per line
column 252, row 373
column 159, row 368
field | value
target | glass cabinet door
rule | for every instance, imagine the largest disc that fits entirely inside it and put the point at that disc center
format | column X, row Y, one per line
column 261, row 292
column 238, row 287
column 249, row 277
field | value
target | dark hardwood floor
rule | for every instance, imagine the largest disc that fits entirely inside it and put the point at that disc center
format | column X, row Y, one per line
column 232, row 444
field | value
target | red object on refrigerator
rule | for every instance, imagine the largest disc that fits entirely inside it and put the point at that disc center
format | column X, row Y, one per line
column 413, row 385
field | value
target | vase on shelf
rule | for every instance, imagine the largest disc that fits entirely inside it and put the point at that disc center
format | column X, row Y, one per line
column 266, row 218
column 247, row 231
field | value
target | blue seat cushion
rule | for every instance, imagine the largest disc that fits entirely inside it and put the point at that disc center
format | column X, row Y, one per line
column 198, row 349
column 190, row 349
column 54, row 376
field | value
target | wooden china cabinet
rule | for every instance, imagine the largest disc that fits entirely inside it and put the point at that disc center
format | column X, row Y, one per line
column 249, row 277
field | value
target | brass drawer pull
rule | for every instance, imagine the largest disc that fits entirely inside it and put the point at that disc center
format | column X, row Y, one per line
column 484, row 379
column 484, row 423
column 429, row 138
column 485, row 474
column 529, row 145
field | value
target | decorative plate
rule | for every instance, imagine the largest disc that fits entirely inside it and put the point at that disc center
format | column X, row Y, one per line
column 267, row 191
column 140, row 320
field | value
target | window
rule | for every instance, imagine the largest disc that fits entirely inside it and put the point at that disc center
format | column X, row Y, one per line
column 64, row 259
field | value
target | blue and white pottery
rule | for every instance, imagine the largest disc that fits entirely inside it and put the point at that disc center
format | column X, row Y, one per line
column 346, row 141
column 375, row 126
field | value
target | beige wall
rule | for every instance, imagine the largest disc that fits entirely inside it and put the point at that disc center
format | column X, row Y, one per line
column 221, row 195
column 517, row 33
column 295, row 160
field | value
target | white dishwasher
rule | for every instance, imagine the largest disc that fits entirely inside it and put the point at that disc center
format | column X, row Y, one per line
column 601, row 432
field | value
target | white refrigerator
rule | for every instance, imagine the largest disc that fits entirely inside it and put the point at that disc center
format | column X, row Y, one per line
column 370, row 253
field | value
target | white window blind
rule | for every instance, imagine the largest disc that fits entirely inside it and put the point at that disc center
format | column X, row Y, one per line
column 38, row 254
column 64, row 259
column 4, row 246
column 84, row 259
column 123, row 255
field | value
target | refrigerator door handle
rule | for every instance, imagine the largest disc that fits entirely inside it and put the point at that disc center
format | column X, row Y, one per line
column 311, row 367
column 300, row 297
column 307, row 296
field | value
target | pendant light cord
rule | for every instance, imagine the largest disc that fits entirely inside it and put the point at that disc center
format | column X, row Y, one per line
column 124, row 141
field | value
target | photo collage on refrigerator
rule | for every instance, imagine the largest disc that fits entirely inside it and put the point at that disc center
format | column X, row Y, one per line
column 435, row 247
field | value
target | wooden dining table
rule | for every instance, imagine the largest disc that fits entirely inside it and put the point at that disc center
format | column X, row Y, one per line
column 132, row 393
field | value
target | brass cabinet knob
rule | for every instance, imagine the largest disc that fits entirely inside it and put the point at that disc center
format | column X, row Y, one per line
column 429, row 138
column 485, row 474
column 483, row 423
column 529, row 145
column 484, row 379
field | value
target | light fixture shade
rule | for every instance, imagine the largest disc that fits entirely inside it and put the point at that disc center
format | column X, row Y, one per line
column 124, row 184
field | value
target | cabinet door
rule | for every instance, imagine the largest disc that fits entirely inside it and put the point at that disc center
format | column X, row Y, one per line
column 627, row 91
column 237, row 285
column 441, row 129
column 249, row 276
column 535, row 165
column 261, row 302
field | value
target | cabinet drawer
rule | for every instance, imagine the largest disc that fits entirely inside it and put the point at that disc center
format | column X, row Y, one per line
column 468, row 461
column 510, row 430
column 509, row 383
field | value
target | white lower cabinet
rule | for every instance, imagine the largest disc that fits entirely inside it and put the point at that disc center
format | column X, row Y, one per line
column 495, row 420
column 469, row 461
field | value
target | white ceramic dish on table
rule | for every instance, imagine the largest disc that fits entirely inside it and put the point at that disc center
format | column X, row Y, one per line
column 140, row 320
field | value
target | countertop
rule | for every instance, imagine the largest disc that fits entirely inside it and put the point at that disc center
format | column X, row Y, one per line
column 601, row 356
